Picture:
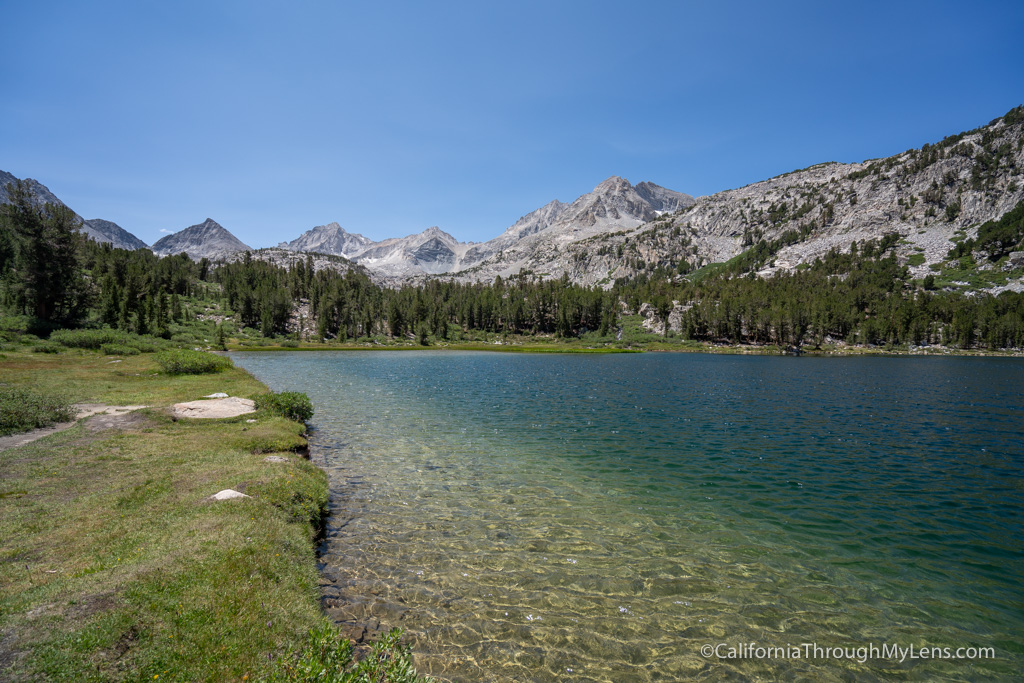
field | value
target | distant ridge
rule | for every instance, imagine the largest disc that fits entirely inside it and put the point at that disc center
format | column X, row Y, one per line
column 97, row 228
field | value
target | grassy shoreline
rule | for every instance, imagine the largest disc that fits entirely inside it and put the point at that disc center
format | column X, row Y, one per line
column 114, row 565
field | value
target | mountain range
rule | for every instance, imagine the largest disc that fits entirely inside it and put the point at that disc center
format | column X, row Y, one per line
column 615, row 204
column 931, row 197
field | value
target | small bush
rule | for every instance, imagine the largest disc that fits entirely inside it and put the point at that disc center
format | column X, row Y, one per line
column 87, row 339
column 293, row 405
column 24, row 409
column 188, row 362
column 270, row 435
column 118, row 350
column 290, row 344
column 47, row 348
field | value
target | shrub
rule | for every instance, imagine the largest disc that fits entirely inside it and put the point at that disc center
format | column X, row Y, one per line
column 119, row 350
column 97, row 339
column 290, row 344
column 87, row 339
column 47, row 348
column 293, row 405
column 188, row 362
column 24, row 409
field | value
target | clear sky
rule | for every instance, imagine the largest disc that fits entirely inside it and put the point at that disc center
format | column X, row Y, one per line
column 390, row 117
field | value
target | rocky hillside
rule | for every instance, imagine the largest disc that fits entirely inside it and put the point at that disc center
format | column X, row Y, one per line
column 287, row 258
column 97, row 228
column 932, row 198
column 204, row 240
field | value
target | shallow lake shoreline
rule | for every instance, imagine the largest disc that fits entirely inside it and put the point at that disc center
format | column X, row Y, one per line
column 738, row 349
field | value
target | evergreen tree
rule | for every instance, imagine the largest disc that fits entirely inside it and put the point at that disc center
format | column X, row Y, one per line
column 39, row 248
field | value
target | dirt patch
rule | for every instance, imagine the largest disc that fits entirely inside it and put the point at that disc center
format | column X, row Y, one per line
column 9, row 654
column 115, row 416
column 105, row 421
column 41, row 617
column 80, row 608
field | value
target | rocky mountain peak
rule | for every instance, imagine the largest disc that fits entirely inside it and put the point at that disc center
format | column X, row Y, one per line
column 208, row 239
column 330, row 239
column 613, row 185
column 434, row 232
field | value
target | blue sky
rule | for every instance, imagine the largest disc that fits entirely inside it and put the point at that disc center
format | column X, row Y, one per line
column 391, row 117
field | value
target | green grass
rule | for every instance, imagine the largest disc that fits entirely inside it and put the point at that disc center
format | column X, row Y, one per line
column 84, row 376
column 113, row 563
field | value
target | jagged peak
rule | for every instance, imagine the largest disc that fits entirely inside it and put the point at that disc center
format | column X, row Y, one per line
column 333, row 226
column 648, row 185
column 434, row 231
column 613, row 184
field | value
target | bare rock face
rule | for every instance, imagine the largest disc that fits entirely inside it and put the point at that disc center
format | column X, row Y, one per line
column 207, row 239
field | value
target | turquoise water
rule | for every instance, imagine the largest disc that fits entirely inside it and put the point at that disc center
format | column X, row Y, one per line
column 600, row 518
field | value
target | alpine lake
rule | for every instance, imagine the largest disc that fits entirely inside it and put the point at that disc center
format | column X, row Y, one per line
column 542, row 517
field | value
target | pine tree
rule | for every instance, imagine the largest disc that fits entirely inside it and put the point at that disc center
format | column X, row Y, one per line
column 40, row 245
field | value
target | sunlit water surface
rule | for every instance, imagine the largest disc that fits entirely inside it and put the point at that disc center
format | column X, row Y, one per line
column 600, row 518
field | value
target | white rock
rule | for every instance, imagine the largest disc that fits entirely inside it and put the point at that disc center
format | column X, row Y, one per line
column 218, row 407
column 228, row 494
column 219, row 394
